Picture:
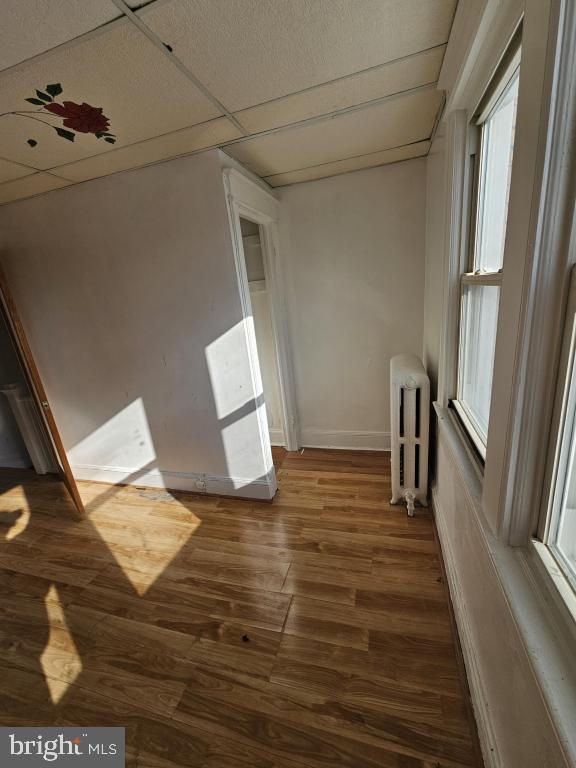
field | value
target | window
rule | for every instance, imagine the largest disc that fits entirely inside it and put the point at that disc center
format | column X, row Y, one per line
column 557, row 528
column 480, row 284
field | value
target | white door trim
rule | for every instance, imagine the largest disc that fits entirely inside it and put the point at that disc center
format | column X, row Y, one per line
column 249, row 200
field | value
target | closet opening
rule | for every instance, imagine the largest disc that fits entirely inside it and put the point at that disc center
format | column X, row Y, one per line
column 24, row 443
column 260, row 300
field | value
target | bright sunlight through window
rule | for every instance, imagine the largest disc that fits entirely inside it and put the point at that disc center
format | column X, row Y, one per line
column 480, row 286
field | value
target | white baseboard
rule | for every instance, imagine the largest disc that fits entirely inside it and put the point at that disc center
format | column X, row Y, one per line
column 311, row 437
column 261, row 488
column 277, row 437
column 478, row 693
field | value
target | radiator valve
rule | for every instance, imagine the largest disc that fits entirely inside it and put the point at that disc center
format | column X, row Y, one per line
column 410, row 497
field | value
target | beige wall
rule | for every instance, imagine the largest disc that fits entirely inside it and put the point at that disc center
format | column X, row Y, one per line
column 353, row 249
column 127, row 288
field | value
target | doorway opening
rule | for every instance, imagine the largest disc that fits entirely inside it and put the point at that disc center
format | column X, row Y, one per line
column 260, row 209
column 44, row 446
column 260, row 300
column 24, row 442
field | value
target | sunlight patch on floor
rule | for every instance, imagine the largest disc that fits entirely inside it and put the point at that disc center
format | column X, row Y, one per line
column 142, row 545
column 60, row 660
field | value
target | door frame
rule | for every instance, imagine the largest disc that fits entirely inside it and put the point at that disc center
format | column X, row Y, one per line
column 36, row 387
column 249, row 200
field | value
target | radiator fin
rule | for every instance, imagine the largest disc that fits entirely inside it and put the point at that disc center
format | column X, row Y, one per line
column 410, row 420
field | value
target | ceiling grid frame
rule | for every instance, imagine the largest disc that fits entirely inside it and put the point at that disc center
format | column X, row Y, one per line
column 129, row 15
column 153, row 37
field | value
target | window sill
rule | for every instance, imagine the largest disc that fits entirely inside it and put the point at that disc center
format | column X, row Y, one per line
column 545, row 566
column 471, row 432
column 472, row 464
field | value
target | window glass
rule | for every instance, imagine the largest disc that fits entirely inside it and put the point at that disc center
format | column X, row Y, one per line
column 562, row 539
column 477, row 345
column 497, row 143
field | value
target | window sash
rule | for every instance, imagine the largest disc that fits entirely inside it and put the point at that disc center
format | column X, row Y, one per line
column 490, row 174
column 474, row 417
column 562, row 446
column 472, row 427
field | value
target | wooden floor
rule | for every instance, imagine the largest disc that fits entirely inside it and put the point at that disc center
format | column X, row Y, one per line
column 314, row 631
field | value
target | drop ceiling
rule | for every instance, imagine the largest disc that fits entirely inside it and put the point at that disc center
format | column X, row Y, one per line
column 295, row 89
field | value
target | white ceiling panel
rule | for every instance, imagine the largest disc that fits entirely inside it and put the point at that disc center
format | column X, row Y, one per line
column 398, row 121
column 118, row 70
column 30, row 27
column 375, row 83
column 160, row 148
column 9, row 171
column 350, row 164
column 320, row 86
column 250, row 51
column 30, row 185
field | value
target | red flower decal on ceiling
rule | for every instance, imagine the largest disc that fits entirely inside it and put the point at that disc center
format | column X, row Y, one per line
column 80, row 117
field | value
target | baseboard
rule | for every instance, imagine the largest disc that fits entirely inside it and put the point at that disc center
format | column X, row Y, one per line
column 478, row 693
column 277, row 437
column 311, row 437
column 261, row 488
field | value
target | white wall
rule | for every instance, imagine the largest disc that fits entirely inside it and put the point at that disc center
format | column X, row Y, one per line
column 353, row 249
column 127, row 289
column 515, row 722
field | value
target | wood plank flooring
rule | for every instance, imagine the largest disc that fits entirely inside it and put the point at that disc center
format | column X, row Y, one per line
column 314, row 631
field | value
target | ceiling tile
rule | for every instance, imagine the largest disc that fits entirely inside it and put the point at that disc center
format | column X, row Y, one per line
column 9, row 171
column 30, row 28
column 30, row 185
column 248, row 51
column 350, row 164
column 161, row 148
column 373, row 84
column 119, row 70
column 398, row 121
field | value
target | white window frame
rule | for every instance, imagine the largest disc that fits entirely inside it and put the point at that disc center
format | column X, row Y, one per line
column 474, row 181
column 562, row 444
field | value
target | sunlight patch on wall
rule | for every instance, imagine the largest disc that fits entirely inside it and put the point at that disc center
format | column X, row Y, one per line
column 229, row 370
column 123, row 442
column 243, row 450
column 60, row 660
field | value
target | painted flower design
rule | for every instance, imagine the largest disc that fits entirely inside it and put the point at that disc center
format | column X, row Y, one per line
column 76, row 118
column 80, row 117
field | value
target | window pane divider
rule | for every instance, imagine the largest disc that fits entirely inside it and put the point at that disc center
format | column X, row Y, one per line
column 482, row 278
